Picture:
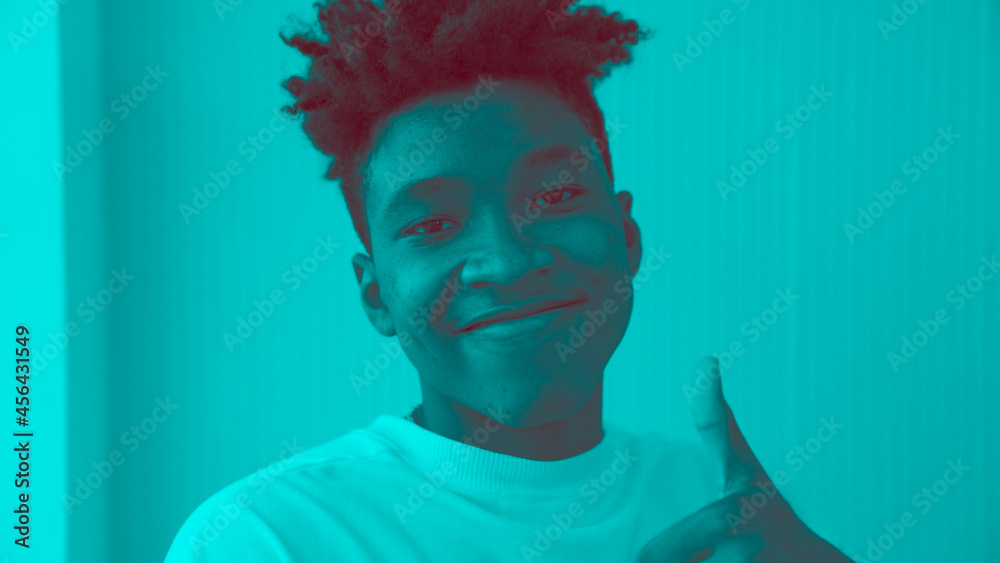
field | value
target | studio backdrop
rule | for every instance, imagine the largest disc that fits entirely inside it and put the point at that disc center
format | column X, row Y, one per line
column 815, row 183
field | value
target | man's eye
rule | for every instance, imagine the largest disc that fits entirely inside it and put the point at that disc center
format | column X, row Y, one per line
column 555, row 196
column 432, row 227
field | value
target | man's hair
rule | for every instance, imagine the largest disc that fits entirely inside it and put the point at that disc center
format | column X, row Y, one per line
column 368, row 61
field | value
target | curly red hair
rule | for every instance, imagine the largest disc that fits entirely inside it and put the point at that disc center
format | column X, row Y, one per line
column 368, row 61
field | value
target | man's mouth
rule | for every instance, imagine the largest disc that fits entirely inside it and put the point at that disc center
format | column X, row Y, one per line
column 524, row 310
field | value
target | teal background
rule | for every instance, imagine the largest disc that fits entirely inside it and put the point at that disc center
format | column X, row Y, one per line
column 826, row 357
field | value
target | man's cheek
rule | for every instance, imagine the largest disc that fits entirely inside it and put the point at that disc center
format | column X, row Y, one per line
column 417, row 323
column 589, row 241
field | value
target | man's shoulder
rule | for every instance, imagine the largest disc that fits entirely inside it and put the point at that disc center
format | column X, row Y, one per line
column 255, row 515
column 324, row 467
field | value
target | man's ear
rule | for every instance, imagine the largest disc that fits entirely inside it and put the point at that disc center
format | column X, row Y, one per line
column 371, row 299
column 633, row 240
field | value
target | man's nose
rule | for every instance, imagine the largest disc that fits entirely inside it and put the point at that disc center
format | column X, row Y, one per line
column 504, row 253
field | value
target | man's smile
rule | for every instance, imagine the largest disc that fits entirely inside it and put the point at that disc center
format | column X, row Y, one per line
column 526, row 318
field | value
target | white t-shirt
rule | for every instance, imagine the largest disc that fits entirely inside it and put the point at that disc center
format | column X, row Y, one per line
column 395, row 491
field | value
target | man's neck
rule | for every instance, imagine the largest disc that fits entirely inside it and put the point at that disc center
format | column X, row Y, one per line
column 559, row 439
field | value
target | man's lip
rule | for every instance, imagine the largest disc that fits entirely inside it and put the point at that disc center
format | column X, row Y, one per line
column 499, row 314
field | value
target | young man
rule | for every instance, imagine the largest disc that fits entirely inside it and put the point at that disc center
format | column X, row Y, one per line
column 474, row 162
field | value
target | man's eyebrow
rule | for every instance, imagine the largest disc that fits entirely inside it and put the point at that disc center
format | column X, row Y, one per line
column 421, row 189
column 547, row 156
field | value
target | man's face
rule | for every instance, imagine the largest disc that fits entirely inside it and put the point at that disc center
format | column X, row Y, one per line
column 487, row 211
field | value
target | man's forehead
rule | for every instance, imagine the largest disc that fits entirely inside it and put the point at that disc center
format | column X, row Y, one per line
column 435, row 138
column 519, row 110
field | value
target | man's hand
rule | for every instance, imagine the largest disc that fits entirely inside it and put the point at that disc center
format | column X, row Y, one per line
column 717, row 532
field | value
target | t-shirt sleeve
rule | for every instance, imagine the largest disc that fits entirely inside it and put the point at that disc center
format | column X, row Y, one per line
column 225, row 529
